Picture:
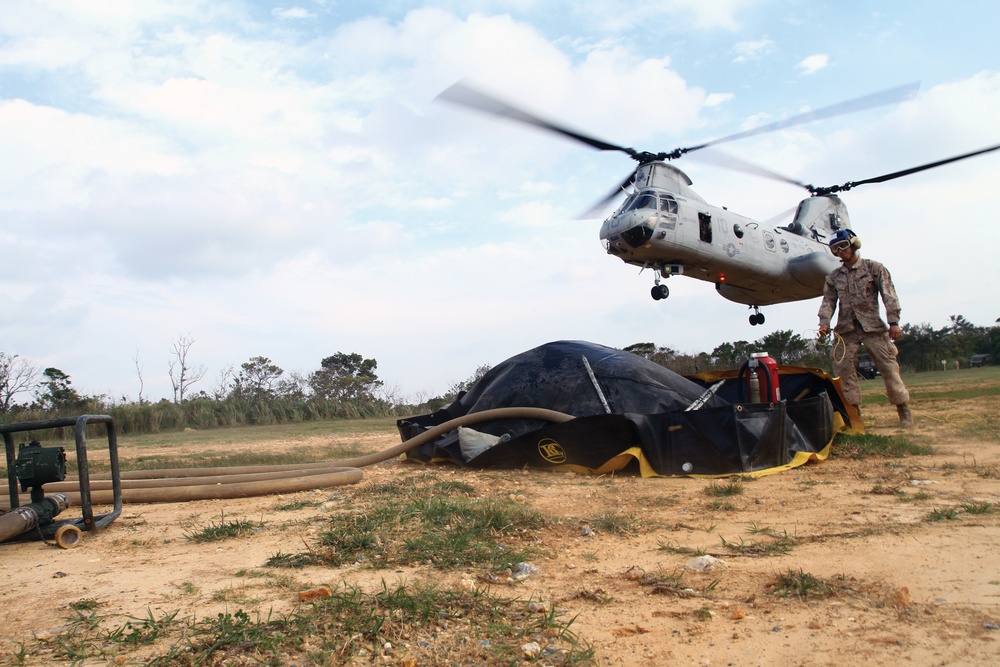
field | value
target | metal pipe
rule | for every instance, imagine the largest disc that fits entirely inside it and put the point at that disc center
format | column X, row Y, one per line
column 24, row 518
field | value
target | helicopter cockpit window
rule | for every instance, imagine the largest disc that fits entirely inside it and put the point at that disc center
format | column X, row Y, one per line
column 738, row 230
column 643, row 201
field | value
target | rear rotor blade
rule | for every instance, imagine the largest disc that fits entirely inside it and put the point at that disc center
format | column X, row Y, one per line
column 727, row 161
column 882, row 98
column 897, row 174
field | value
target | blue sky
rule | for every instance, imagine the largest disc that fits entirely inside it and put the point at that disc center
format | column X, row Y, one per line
column 277, row 180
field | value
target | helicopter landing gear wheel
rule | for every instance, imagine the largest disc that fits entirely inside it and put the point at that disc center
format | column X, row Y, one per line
column 757, row 317
column 659, row 292
column 68, row 536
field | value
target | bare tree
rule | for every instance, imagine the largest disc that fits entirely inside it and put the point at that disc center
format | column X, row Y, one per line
column 138, row 370
column 182, row 375
column 224, row 383
column 17, row 375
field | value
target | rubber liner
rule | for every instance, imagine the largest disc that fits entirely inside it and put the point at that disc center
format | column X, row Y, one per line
column 630, row 410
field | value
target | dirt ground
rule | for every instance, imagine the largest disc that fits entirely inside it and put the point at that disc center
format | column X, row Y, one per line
column 906, row 589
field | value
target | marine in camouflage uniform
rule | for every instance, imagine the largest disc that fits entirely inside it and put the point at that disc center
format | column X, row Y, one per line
column 856, row 286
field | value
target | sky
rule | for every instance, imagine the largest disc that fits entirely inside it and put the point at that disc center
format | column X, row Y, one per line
column 278, row 180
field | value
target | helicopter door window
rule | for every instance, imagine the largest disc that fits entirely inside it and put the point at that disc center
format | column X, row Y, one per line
column 768, row 241
column 668, row 212
column 668, row 204
column 705, row 227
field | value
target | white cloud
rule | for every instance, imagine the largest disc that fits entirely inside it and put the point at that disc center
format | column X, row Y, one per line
column 293, row 13
column 814, row 63
column 753, row 50
column 718, row 99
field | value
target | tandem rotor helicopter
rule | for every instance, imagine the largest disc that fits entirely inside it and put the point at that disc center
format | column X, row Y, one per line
column 666, row 226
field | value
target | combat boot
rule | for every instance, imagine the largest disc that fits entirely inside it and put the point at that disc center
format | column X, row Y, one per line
column 905, row 416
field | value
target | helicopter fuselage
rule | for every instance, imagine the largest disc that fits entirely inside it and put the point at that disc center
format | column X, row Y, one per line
column 666, row 226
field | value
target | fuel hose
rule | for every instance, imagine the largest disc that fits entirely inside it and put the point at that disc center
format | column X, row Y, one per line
column 173, row 485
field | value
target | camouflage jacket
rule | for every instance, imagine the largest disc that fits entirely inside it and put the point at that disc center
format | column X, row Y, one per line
column 857, row 289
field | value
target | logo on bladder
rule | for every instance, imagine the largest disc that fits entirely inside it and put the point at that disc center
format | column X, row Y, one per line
column 551, row 451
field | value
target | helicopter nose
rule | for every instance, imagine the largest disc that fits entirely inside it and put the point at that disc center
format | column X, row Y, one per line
column 634, row 228
column 638, row 236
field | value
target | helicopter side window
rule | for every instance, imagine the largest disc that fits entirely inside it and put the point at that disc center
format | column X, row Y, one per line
column 705, row 227
column 668, row 204
column 738, row 230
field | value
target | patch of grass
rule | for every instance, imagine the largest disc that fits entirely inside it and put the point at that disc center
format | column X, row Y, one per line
column 293, row 505
column 224, row 530
column 978, row 507
column 942, row 514
column 919, row 496
column 187, row 588
column 884, row 490
column 801, row 585
column 293, row 561
column 776, row 544
column 351, row 626
column 683, row 551
column 422, row 520
column 85, row 604
column 615, row 522
column 756, row 529
column 732, row 487
column 722, row 506
column 860, row 447
column 141, row 631
column 454, row 486
column 85, row 637
column 239, row 595
column 986, row 472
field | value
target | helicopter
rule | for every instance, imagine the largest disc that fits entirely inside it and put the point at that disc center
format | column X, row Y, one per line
column 664, row 225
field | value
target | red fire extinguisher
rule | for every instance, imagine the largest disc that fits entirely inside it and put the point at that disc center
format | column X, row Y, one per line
column 758, row 379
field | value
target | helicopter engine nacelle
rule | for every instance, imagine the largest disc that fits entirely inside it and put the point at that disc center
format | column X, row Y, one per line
column 818, row 217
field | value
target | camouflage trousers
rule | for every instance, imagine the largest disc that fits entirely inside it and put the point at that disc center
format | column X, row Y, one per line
column 883, row 354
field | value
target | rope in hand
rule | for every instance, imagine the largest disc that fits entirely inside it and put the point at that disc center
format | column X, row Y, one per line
column 839, row 350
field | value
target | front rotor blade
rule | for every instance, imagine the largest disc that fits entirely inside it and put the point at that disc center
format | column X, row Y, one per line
column 899, row 174
column 596, row 208
column 462, row 94
column 889, row 96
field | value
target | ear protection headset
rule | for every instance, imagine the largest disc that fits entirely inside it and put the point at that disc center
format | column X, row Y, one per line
column 846, row 235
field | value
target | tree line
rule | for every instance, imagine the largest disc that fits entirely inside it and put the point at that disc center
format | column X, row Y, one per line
column 921, row 348
column 346, row 385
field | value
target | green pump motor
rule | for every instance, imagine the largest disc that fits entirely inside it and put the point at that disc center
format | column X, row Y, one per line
column 37, row 465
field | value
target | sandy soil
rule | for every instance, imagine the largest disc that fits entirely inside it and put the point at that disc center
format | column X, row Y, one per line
column 907, row 590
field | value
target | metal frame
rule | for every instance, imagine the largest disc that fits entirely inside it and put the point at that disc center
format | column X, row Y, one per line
column 89, row 522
